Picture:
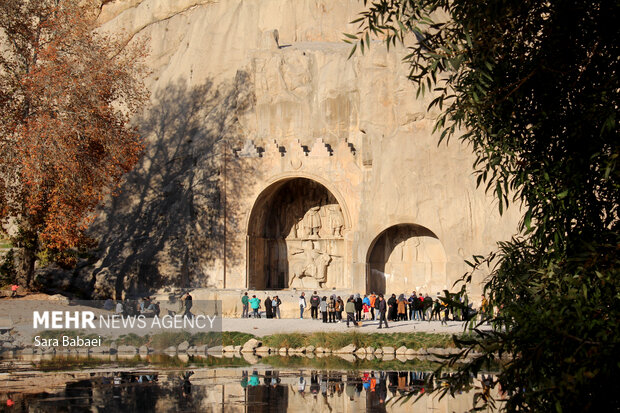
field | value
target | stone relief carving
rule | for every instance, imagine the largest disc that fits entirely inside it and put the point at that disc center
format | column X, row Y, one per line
column 312, row 222
column 305, row 224
column 314, row 266
column 336, row 220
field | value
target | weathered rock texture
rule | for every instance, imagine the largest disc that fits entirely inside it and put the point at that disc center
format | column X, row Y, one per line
column 273, row 161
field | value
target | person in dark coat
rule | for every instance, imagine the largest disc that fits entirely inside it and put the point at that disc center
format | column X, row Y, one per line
column 393, row 304
column 381, row 309
column 268, row 312
column 358, row 307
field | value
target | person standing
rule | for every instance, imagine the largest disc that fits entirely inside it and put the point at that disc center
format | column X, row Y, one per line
column 445, row 310
column 331, row 309
column 323, row 308
column 366, row 311
column 275, row 305
column 302, row 304
column 373, row 300
column 315, row 301
column 402, row 308
column 349, row 308
column 411, row 301
column 255, row 304
column 245, row 301
column 393, row 311
column 428, row 306
column 358, row 307
column 365, row 301
column 268, row 313
column 420, row 303
column 339, row 308
column 14, row 288
column 188, row 305
column 382, row 309
column 120, row 310
column 437, row 308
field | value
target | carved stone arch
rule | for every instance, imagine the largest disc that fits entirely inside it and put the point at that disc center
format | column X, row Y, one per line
column 403, row 258
column 295, row 235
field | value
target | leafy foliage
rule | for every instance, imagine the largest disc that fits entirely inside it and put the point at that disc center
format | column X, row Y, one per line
column 532, row 87
column 8, row 272
column 67, row 94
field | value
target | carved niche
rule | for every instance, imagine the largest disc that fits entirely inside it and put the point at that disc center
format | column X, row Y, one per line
column 304, row 244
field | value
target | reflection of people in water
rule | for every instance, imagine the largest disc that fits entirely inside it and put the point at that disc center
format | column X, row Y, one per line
column 314, row 383
column 187, row 385
column 244, row 379
column 324, row 382
column 349, row 389
column 254, row 379
column 302, row 384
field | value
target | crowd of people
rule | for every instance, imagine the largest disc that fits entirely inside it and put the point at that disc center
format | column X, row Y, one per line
column 356, row 309
column 149, row 307
column 271, row 306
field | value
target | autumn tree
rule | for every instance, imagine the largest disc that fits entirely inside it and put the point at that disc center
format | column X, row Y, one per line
column 533, row 88
column 67, row 96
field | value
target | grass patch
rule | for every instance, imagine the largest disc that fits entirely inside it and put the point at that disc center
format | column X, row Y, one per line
column 130, row 339
column 162, row 341
column 336, row 341
column 235, row 338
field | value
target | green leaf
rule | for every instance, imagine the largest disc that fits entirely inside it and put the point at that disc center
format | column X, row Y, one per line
column 527, row 221
column 352, row 51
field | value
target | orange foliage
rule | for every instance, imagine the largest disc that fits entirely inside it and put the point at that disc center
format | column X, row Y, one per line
column 67, row 95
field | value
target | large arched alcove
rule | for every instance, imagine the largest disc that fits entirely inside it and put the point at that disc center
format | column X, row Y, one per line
column 295, row 237
column 403, row 258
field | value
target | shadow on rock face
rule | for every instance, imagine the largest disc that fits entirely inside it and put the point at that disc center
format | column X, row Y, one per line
column 166, row 226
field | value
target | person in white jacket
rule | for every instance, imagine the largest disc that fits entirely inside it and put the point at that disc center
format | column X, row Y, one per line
column 302, row 304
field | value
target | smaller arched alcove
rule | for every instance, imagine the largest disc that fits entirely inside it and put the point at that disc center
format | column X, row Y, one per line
column 403, row 258
column 295, row 237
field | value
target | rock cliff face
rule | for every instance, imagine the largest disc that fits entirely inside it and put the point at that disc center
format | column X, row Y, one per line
column 251, row 94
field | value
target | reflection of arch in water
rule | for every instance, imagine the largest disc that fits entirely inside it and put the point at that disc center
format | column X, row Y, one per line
column 295, row 236
column 403, row 258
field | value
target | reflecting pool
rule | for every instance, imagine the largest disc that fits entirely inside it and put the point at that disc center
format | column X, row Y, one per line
column 254, row 388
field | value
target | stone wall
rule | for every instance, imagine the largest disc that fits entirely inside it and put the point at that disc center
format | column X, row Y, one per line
column 253, row 96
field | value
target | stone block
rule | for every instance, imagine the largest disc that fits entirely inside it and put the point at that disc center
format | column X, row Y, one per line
column 215, row 350
column 123, row 349
column 388, row 350
column 401, row 350
column 250, row 345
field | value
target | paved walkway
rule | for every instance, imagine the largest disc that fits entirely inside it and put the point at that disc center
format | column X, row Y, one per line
column 263, row 326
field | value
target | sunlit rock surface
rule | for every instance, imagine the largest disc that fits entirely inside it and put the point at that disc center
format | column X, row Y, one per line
column 274, row 161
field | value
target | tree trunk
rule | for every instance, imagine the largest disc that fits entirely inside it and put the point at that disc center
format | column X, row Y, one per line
column 29, row 259
column 30, row 245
